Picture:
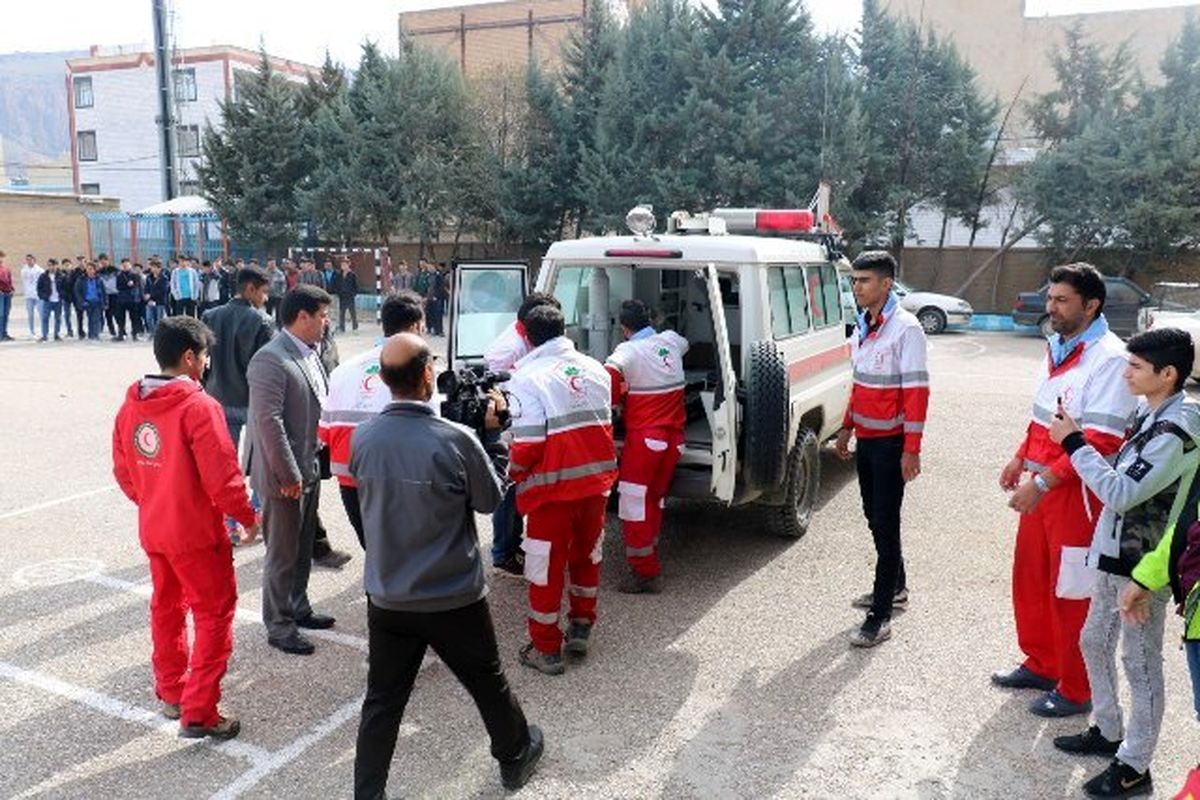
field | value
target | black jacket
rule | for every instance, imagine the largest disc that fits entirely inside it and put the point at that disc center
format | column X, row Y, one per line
column 240, row 330
column 129, row 286
column 43, row 286
column 347, row 285
column 158, row 288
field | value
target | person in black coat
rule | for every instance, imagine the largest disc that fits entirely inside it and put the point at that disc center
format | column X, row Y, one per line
column 51, row 292
column 347, row 291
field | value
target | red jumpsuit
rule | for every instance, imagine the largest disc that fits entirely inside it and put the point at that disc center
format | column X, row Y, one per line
column 1056, row 534
column 564, row 464
column 172, row 456
column 647, row 374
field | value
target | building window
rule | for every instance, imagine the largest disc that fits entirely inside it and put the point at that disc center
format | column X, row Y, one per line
column 85, row 143
column 185, row 85
column 83, row 93
column 89, row 188
column 188, row 137
column 189, row 187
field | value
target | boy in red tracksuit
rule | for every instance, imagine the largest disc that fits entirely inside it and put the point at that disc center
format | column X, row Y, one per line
column 647, row 376
column 564, row 464
column 172, row 456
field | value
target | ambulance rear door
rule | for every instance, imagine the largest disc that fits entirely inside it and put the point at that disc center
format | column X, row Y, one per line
column 721, row 404
column 484, row 299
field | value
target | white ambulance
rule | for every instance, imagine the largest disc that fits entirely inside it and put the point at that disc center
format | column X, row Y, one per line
column 755, row 292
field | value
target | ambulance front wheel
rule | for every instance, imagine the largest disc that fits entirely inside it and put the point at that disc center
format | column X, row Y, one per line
column 801, row 482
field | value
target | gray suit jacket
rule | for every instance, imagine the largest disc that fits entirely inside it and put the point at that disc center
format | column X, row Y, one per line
column 282, row 421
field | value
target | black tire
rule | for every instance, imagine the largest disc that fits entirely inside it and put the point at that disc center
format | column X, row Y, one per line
column 1045, row 327
column 801, row 485
column 933, row 320
column 765, row 443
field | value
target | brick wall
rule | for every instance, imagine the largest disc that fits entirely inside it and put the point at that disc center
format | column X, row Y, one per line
column 497, row 35
column 49, row 226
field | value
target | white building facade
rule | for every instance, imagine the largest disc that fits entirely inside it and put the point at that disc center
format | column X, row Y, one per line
column 113, row 109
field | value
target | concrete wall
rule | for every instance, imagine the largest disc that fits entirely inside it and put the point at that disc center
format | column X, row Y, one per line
column 49, row 226
column 497, row 36
column 1005, row 47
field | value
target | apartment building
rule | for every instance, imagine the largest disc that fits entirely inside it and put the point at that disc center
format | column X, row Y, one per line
column 112, row 102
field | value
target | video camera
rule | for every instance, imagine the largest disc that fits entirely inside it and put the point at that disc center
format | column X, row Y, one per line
column 466, row 392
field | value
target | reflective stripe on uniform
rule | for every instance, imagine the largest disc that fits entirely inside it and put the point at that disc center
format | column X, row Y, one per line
column 544, row 617
column 351, row 416
column 1034, row 466
column 659, row 389
column 914, row 427
column 570, row 473
column 638, row 552
column 582, row 591
column 891, row 379
column 877, row 424
column 1110, row 421
column 528, row 432
column 593, row 416
column 338, row 468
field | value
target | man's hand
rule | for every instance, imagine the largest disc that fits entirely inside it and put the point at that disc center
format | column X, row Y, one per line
column 248, row 535
column 1010, row 476
column 496, row 404
column 293, row 491
column 843, row 444
column 1026, row 498
column 910, row 466
column 1135, row 604
column 1062, row 425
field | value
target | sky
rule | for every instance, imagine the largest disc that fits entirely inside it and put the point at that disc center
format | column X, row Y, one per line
column 303, row 29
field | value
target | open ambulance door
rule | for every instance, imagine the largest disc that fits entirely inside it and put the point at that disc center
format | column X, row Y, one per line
column 484, row 299
column 721, row 404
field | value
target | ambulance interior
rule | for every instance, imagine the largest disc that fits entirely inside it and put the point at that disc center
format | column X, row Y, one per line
column 678, row 299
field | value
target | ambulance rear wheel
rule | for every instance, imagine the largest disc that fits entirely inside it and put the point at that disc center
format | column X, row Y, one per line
column 802, row 481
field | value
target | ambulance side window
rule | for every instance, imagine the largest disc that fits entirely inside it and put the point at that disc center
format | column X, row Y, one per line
column 824, row 295
column 788, row 300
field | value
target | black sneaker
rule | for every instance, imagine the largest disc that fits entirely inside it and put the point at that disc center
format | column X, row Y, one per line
column 874, row 631
column 515, row 774
column 1119, row 780
column 578, row 633
column 865, row 601
column 1088, row 743
column 514, row 565
column 545, row 663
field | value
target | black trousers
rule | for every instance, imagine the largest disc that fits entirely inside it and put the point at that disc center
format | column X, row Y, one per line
column 465, row 641
column 127, row 310
column 110, row 314
column 346, row 304
column 881, row 484
column 353, row 511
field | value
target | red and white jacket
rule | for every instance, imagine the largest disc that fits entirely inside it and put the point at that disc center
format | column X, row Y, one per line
column 890, row 394
column 647, row 371
column 562, row 440
column 356, row 394
column 509, row 348
column 1091, row 384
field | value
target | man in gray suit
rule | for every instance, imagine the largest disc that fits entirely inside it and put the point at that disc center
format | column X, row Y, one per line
column 288, row 385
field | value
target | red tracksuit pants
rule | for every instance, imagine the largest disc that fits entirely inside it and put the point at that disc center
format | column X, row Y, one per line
column 648, row 461
column 562, row 539
column 1047, row 625
column 203, row 582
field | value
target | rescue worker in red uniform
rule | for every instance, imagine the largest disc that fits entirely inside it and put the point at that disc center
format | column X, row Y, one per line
column 172, row 456
column 647, row 376
column 563, row 462
column 1083, row 369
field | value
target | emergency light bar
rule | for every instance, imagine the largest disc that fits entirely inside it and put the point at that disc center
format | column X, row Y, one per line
column 639, row 252
column 762, row 220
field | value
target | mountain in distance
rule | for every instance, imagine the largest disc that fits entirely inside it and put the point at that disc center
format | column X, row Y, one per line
column 34, row 126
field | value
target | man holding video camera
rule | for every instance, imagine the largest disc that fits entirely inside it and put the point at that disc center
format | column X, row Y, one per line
column 421, row 479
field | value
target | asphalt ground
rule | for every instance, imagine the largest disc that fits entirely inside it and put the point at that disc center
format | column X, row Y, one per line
column 737, row 681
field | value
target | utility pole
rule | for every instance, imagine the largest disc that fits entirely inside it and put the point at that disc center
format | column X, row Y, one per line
column 166, row 101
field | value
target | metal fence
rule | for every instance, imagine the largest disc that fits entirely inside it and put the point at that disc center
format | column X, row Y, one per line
column 139, row 236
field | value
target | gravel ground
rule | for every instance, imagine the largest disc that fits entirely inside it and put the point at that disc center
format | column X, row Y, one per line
column 736, row 682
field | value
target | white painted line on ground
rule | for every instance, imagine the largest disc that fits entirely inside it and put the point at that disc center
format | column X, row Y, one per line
column 115, row 707
column 57, row 502
column 244, row 616
column 287, row 755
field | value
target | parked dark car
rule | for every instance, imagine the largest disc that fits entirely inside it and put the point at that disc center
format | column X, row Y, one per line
column 1123, row 307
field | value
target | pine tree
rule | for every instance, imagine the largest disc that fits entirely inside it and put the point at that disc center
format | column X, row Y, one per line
column 255, row 161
